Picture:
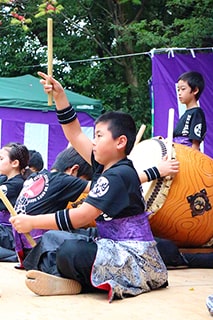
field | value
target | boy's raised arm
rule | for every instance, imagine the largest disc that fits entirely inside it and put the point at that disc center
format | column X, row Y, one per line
column 71, row 127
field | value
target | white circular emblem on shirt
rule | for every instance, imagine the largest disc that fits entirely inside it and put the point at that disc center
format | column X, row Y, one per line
column 197, row 130
column 100, row 188
column 4, row 189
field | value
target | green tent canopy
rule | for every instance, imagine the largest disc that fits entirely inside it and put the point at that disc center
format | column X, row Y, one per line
column 27, row 92
column 25, row 116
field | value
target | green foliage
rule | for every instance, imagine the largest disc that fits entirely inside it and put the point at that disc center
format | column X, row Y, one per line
column 95, row 43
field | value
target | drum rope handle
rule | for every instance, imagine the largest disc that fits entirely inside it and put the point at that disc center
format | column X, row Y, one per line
column 159, row 188
column 162, row 145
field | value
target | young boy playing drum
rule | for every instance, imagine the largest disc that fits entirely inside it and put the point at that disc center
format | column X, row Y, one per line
column 124, row 260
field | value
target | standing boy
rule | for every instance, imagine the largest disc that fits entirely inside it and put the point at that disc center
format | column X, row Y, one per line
column 191, row 127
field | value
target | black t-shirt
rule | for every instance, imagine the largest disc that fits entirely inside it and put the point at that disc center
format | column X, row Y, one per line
column 117, row 191
column 46, row 192
column 11, row 189
column 192, row 124
column 3, row 178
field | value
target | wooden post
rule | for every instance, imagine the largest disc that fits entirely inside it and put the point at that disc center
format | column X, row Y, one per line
column 170, row 133
column 50, row 54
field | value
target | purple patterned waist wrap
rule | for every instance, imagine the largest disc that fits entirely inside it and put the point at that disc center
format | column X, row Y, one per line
column 183, row 140
column 129, row 228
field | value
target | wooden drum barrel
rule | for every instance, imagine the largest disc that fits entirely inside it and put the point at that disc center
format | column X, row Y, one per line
column 182, row 209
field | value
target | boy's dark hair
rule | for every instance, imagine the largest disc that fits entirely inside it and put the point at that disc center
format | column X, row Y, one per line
column 120, row 123
column 68, row 158
column 35, row 160
column 194, row 80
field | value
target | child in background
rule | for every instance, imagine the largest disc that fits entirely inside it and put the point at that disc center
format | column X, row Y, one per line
column 14, row 159
column 47, row 191
column 191, row 127
column 35, row 163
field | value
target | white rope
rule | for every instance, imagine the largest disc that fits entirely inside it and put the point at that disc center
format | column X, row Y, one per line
column 150, row 53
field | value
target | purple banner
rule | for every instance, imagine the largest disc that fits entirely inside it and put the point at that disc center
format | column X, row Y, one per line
column 165, row 71
column 38, row 130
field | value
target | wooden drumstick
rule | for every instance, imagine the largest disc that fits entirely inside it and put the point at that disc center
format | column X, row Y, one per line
column 50, row 54
column 12, row 211
column 170, row 133
column 140, row 133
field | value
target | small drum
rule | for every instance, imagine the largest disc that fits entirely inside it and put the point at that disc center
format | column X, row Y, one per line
column 181, row 208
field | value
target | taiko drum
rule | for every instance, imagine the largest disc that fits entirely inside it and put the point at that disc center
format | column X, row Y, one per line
column 182, row 207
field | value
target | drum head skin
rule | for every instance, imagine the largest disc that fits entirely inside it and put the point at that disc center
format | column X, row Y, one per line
column 147, row 154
